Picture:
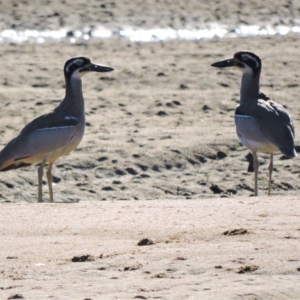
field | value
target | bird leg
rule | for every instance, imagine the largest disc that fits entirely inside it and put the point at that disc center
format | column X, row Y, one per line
column 49, row 178
column 256, row 166
column 270, row 172
column 40, row 177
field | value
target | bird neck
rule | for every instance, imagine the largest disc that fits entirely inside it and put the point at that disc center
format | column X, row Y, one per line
column 249, row 86
column 74, row 97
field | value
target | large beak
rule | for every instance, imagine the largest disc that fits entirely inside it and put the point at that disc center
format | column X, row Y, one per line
column 224, row 63
column 98, row 68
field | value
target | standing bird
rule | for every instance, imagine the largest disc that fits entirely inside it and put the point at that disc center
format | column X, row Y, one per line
column 262, row 125
column 55, row 134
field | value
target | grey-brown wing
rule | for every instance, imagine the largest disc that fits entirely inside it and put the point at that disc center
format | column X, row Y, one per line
column 248, row 128
column 35, row 140
column 276, row 124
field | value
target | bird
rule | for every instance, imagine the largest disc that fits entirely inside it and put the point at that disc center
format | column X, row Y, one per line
column 262, row 125
column 52, row 135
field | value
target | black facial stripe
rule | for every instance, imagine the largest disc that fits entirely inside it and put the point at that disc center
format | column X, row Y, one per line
column 252, row 63
column 248, row 59
column 84, row 69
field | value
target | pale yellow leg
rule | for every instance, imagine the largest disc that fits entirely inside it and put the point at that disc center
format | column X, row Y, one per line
column 256, row 166
column 49, row 178
column 40, row 178
column 270, row 172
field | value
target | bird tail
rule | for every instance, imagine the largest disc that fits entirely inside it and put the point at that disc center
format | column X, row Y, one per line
column 289, row 152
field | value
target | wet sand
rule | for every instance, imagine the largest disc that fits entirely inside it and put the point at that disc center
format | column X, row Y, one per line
column 160, row 127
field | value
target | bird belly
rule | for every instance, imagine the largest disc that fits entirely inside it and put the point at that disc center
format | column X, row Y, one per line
column 258, row 146
column 251, row 135
column 63, row 151
column 73, row 142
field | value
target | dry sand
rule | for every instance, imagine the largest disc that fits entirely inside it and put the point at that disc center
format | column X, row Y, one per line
column 191, row 257
column 160, row 128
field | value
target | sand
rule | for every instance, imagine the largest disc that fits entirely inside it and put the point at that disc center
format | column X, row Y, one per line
column 245, row 248
column 160, row 160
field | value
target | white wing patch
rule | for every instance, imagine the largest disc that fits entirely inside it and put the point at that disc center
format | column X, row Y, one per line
column 54, row 128
column 69, row 123
column 71, row 118
column 243, row 116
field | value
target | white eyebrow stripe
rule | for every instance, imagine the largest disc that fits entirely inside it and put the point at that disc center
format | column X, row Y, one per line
column 73, row 62
column 243, row 116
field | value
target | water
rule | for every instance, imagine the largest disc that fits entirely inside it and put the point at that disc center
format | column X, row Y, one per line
column 206, row 31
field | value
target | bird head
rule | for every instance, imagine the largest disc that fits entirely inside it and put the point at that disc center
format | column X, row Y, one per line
column 79, row 66
column 244, row 60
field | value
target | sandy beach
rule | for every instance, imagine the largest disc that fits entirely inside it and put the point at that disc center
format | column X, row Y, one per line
column 245, row 248
column 160, row 162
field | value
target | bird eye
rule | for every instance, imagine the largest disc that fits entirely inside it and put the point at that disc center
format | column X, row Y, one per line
column 79, row 63
column 245, row 58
